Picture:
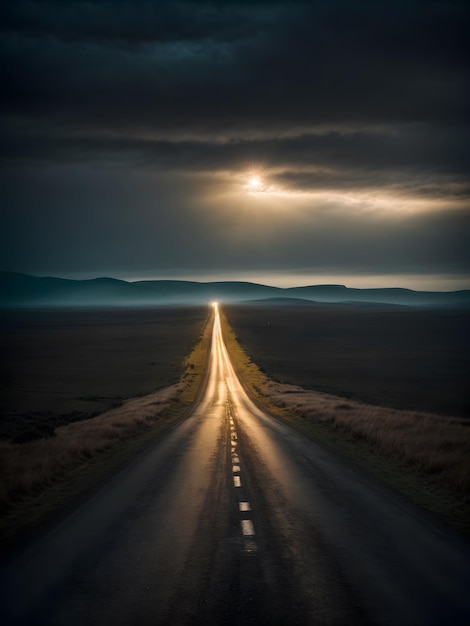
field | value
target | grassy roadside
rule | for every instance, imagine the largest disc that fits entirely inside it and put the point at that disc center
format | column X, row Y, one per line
column 42, row 478
column 424, row 456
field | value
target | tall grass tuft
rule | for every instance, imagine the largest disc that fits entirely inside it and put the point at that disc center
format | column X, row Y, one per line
column 29, row 467
column 434, row 444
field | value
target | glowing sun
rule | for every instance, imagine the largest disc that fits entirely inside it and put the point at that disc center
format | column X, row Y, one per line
column 255, row 182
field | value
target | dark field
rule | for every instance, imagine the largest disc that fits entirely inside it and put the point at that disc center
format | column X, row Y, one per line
column 406, row 358
column 63, row 365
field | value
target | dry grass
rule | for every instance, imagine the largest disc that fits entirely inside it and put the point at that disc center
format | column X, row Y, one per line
column 423, row 454
column 434, row 444
column 250, row 374
column 29, row 469
column 196, row 364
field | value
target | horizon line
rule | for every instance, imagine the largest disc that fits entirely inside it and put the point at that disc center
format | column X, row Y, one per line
column 131, row 280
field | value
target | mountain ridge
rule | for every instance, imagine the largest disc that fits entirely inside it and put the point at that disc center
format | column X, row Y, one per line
column 18, row 289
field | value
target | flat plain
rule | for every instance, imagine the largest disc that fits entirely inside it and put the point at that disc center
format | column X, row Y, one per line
column 61, row 367
column 393, row 356
column 64, row 365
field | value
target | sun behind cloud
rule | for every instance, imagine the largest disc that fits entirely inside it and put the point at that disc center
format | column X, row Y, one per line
column 255, row 183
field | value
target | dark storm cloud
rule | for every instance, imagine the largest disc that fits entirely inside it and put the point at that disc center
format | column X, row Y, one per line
column 413, row 158
column 321, row 95
column 215, row 67
column 132, row 22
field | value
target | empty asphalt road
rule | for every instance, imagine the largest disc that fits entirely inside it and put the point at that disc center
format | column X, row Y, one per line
column 235, row 518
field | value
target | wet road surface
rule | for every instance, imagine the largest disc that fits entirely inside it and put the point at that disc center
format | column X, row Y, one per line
column 235, row 518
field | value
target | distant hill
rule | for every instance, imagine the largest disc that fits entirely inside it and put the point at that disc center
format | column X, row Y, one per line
column 282, row 301
column 23, row 290
column 339, row 293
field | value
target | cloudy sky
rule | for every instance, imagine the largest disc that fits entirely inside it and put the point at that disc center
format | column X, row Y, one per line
column 289, row 142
